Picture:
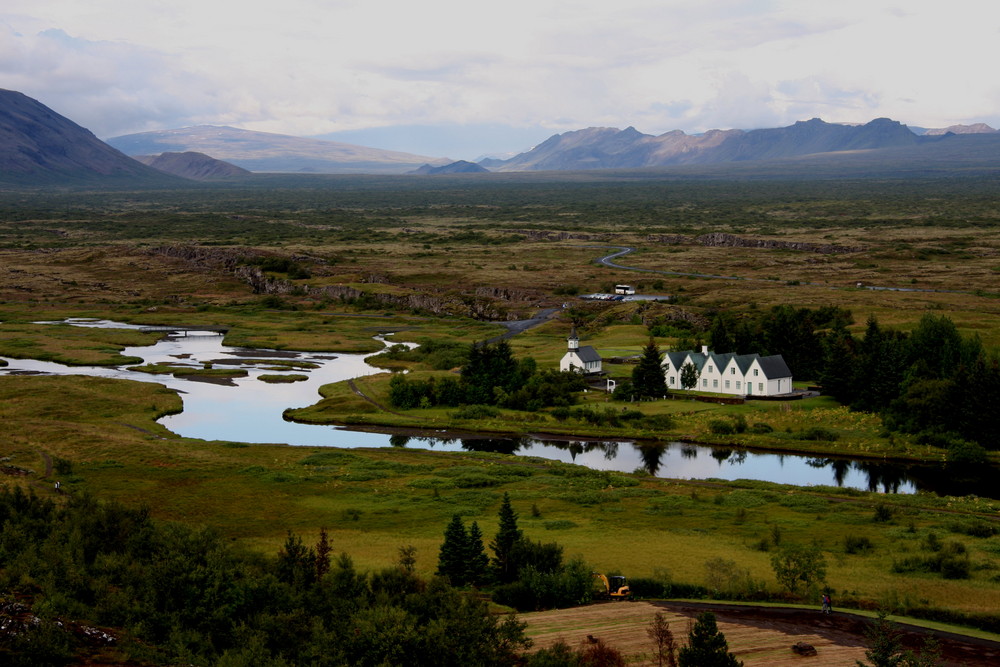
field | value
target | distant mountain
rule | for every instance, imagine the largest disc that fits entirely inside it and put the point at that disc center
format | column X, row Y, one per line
column 610, row 148
column 267, row 152
column 40, row 147
column 459, row 167
column 977, row 128
column 193, row 165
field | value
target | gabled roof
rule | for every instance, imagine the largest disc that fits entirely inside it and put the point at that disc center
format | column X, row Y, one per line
column 676, row 359
column 587, row 354
column 774, row 367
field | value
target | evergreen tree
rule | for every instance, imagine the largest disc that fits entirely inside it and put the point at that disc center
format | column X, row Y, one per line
column 648, row 380
column 490, row 367
column 885, row 644
column 707, row 647
column 477, row 562
column 452, row 559
column 719, row 338
column 503, row 544
column 839, row 360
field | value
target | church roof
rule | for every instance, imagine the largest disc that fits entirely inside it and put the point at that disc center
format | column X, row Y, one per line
column 588, row 353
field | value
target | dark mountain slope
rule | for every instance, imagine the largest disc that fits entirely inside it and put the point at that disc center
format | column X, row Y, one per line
column 193, row 165
column 40, row 147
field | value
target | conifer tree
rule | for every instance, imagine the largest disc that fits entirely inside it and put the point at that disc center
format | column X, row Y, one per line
column 454, row 552
column 477, row 562
column 648, row 380
column 508, row 535
column 707, row 647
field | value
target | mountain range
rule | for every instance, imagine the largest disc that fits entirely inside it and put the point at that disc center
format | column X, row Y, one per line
column 269, row 152
column 610, row 148
column 38, row 147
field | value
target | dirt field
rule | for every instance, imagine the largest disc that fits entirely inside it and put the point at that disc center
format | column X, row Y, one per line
column 758, row 636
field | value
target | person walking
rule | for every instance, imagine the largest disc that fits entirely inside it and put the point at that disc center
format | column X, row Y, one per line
column 827, row 604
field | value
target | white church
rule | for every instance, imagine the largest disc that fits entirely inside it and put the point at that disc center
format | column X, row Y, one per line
column 578, row 359
column 740, row 374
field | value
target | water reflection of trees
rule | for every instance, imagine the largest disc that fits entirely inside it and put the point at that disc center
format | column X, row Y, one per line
column 874, row 476
column 880, row 477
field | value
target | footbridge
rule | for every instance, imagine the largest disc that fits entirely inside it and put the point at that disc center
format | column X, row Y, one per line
column 184, row 329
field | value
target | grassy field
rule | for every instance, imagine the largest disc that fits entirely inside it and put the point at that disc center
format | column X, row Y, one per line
column 338, row 262
column 95, row 438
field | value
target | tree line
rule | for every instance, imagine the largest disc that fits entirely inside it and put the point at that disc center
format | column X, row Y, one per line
column 177, row 595
column 490, row 376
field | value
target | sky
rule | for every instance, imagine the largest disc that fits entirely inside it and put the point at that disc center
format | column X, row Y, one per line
column 463, row 78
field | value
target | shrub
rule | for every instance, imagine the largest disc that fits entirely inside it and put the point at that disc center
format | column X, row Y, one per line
column 721, row 427
column 819, row 433
column 857, row 544
column 475, row 412
column 760, row 428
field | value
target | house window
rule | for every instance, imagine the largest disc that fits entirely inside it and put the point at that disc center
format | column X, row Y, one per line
column 715, row 384
column 760, row 387
column 732, row 371
column 755, row 372
column 709, row 368
column 704, row 382
column 671, row 379
column 737, row 384
column 727, row 384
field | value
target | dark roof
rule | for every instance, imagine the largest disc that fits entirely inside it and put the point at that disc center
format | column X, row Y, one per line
column 774, row 367
column 587, row 353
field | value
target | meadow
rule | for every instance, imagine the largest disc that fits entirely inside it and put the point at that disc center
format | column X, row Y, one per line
column 327, row 265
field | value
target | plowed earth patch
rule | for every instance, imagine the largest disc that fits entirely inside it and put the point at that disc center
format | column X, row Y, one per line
column 759, row 636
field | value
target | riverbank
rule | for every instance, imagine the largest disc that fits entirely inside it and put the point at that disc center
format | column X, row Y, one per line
column 103, row 438
column 785, row 427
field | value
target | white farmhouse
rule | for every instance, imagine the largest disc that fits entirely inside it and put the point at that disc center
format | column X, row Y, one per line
column 580, row 359
column 740, row 374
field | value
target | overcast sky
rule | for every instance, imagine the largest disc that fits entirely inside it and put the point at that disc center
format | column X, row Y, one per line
column 516, row 69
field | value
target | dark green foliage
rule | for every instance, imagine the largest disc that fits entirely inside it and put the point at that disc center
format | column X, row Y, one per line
column 508, row 535
column 885, row 647
column 858, row 544
column 707, row 647
column 490, row 367
column 819, row 433
column 949, row 559
column 569, row 585
column 932, row 382
column 439, row 355
column 648, row 381
column 796, row 565
column 689, row 376
column 454, row 548
column 188, row 598
column 558, row 655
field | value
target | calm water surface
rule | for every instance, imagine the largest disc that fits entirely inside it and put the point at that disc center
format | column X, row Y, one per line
column 249, row 410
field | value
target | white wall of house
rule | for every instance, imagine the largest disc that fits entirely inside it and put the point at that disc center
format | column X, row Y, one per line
column 722, row 374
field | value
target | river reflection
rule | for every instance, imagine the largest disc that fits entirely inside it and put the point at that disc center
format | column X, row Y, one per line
column 249, row 410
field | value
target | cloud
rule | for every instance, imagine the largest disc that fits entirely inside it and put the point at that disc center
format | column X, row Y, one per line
column 103, row 86
column 310, row 67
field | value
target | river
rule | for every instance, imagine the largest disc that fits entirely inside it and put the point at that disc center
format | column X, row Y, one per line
column 250, row 410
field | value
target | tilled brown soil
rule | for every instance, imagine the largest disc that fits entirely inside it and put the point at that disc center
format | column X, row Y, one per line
column 759, row 636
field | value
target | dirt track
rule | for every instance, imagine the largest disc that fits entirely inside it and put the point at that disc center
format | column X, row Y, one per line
column 759, row 636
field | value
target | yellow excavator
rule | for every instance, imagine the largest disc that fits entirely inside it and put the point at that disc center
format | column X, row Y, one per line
column 615, row 587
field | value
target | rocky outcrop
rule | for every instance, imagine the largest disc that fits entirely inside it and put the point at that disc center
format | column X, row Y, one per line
column 723, row 240
column 720, row 239
column 483, row 305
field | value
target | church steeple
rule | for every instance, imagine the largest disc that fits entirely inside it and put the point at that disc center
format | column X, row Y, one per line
column 573, row 342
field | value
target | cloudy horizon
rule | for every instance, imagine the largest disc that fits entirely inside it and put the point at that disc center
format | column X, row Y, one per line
column 472, row 79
